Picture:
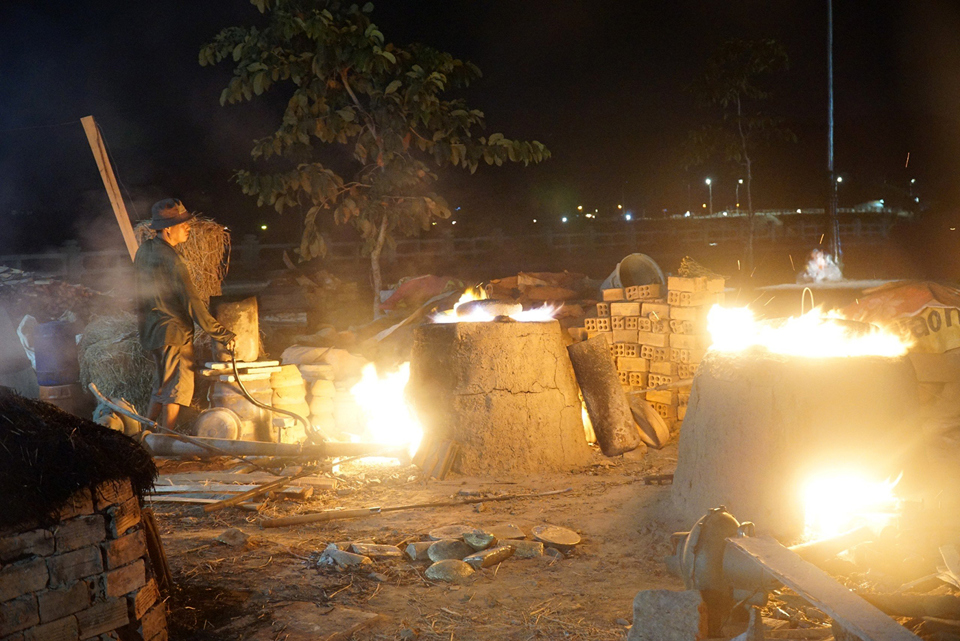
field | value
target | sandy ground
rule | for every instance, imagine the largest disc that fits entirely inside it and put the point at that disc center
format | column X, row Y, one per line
column 236, row 592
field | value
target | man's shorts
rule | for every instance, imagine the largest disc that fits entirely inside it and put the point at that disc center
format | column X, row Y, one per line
column 174, row 378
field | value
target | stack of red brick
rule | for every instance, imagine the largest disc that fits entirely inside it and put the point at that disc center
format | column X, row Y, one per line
column 87, row 577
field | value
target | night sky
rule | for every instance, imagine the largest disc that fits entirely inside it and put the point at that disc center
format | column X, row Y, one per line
column 602, row 83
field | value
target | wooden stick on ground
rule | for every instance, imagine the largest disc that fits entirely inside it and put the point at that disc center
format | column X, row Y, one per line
column 332, row 515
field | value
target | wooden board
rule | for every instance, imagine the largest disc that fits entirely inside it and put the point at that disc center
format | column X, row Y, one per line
column 240, row 365
column 300, row 492
column 846, row 608
column 182, row 478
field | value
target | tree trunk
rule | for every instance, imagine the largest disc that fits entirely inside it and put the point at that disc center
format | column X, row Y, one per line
column 375, row 274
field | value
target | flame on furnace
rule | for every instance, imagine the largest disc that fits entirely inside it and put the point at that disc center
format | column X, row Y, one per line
column 540, row 314
column 834, row 503
column 816, row 334
column 389, row 419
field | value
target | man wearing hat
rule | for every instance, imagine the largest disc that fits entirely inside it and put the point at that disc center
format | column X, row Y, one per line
column 167, row 307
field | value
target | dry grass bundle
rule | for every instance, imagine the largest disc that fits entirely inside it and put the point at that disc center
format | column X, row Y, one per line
column 47, row 455
column 206, row 252
column 112, row 359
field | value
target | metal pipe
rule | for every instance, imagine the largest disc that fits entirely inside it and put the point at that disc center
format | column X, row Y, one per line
column 163, row 445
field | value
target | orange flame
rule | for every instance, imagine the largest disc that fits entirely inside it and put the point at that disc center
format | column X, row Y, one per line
column 815, row 334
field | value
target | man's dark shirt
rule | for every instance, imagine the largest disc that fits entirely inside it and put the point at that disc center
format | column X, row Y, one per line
column 167, row 302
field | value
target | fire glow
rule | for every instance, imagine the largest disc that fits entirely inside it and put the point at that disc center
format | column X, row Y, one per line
column 540, row 314
column 835, row 503
column 816, row 334
column 389, row 419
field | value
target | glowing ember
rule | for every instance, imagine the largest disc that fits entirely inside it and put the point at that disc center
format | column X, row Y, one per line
column 544, row 313
column 815, row 335
column 389, row 420
column 836, row 503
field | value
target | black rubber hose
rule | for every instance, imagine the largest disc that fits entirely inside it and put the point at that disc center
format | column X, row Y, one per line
column 313, row 434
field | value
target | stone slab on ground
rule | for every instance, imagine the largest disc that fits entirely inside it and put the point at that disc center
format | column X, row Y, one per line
column 450, row 570
column 450, row 532
column 668, row 615
column 525, row 549
column 506, row 531
column 449, row 549
column 488, row 558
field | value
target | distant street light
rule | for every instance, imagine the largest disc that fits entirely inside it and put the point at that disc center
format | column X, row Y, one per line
column 710, row 199
column 579, row 207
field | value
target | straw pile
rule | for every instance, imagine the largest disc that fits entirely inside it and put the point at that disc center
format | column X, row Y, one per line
column 112, row 359
column 206, row 252
column 46, row 455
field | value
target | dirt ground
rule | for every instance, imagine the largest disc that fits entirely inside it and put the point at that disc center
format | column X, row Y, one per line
column 246, row 591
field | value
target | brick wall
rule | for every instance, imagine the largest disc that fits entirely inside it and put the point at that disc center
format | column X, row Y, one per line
column 87, row 577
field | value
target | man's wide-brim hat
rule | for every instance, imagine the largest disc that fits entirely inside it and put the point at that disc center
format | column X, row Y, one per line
column 169, row 212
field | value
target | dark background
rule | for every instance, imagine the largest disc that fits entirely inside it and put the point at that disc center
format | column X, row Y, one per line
column 602, row 83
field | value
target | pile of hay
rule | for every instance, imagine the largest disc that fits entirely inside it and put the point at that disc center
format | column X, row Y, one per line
column 206, row 252
column 111, row 358
column 47, row 455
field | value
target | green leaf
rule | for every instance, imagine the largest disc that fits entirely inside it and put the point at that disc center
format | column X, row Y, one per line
column 237, row 52
column 367, row 8
column 346, row 113
column 393, row 86
column 389, row 56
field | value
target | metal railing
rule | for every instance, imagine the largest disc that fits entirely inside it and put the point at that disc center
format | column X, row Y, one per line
column 251, row 256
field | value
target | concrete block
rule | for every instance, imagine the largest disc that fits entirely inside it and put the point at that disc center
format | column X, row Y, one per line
column 694, row 314
column 77, row 505
column 687, row 370
column 590, row 324
column 79, row 532
column 631, row 349
column 625, row 336
column 603, row 309
column 655, row 340
column 689, row 341
column 681, row 412
column 65, row 629
column 142, row 600
column 665, row 615
column 665, row 369
column 127, row 579
column 632, row 364
column 632, row 292
column 18, row 614
column 618, row 322
column 637, row 379
column 695, row 284
column 655, row 311
column 67, row 568
column 22, row 544
column 678, row 355
column 655, row 380
column 694, row 299
column 22, row 577
column 666, row 397
column 105, row 616
column 122, row 516
column 631, row 322
column 624, row 309
column 665, row 410
column 642, row 292
column 112, row 493
column 603, row 325
column 62, row 602
column 614, row 295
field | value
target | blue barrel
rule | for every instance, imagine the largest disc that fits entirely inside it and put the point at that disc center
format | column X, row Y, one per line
column 56, row 350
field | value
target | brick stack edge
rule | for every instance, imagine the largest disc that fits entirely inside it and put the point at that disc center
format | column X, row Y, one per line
column 656, row 337
column 87, row 577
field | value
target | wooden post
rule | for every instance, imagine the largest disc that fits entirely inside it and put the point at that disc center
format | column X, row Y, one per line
column 110, row 182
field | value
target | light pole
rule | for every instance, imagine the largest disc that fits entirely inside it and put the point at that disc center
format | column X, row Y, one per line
column 739, row 182
column 710, row 190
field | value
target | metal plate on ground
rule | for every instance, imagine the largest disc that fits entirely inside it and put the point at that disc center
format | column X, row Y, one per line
column 556, row 536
